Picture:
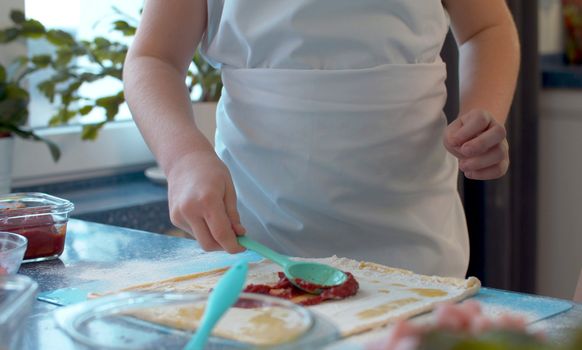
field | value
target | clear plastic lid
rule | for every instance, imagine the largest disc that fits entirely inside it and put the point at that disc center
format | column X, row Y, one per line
column 12, row 248
column 24, row 204
column 16, row 296
column 168, row 321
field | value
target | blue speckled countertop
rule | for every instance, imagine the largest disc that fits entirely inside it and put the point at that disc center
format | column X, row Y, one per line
column 100, row 257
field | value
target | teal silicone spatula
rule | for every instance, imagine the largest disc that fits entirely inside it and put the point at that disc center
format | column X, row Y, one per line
column 298, row 272
column 222, row 297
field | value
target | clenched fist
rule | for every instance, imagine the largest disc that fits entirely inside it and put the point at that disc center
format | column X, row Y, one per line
column 480, row 144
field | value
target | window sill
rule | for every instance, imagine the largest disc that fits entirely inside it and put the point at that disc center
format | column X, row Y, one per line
column 119, row 148
column 128, row 200
column 556, row 74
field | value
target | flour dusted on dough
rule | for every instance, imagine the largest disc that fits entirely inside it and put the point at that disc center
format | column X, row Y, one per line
column 260, row 326
column 386, row 294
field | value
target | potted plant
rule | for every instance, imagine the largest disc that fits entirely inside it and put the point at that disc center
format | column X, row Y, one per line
column 572, row 10
column 14, row 101
column 209, row 81
column 102, row 58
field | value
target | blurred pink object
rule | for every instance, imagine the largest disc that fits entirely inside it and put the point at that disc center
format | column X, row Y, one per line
column 403, row 335
column 466, row 318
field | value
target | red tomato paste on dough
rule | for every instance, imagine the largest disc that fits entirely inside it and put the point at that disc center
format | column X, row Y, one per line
column 286, row 290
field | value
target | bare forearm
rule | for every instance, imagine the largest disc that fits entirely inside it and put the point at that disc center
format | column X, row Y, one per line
column 154, row 73
column 160, row 104
column 489, row 48
column 201, row 194
column 489, row 69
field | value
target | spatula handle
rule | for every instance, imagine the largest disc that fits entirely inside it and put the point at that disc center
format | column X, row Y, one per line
column 255, row 246
column 222, row 297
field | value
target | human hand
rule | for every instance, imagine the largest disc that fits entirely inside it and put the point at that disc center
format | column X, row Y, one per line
column 202, row 201
column 480, row 144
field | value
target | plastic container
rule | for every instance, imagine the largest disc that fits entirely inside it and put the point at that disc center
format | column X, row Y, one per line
column 17, row 294
column 12, row 248
column 39, row 217
column 167, row 321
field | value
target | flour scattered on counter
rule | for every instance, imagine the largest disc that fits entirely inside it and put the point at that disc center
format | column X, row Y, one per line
column 104, row 277
column 495, row 311
column 127, row 273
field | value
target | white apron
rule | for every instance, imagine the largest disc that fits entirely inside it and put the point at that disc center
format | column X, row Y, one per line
column 337, row 149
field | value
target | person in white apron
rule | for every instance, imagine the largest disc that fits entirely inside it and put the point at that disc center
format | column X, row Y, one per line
column 330, row 125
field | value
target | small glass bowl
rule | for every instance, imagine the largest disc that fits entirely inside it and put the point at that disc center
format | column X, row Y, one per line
column 17, row 294
column 12, row 248
column 39, row 217
column 168, row 320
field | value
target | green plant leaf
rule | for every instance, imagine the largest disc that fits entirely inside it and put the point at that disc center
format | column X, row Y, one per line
column 494, row 340
column 118, row 57
column 32, row 28
column 111, row 104
column 101, row 42
column 28, row 134
column 70, row 92
column 208, row 78
column 2, row 74
column 85, row 110
column 53, row 148
column 59, row 37
column 20, row 61
column 48, row 89
column 74, row 86
column 120, row 25
column 91, row 131
column 41, row 60
column 17, row 16
column 14, row 91
column 8, row 35
column 13, row 112
column 109, row 100
column 80, row 49
column 90, row 77
column 125, row 28
column 61, row 76
column 64, row 56
column 68, row 97
column 63, row 116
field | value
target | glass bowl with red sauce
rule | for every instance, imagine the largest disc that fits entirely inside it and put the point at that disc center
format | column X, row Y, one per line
column 39, row 217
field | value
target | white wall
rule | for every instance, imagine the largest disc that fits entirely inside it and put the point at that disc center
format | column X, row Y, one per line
column 4, row 10
column 9, row 52
column 550, row 31
column 560, row 173
column 560, row 193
